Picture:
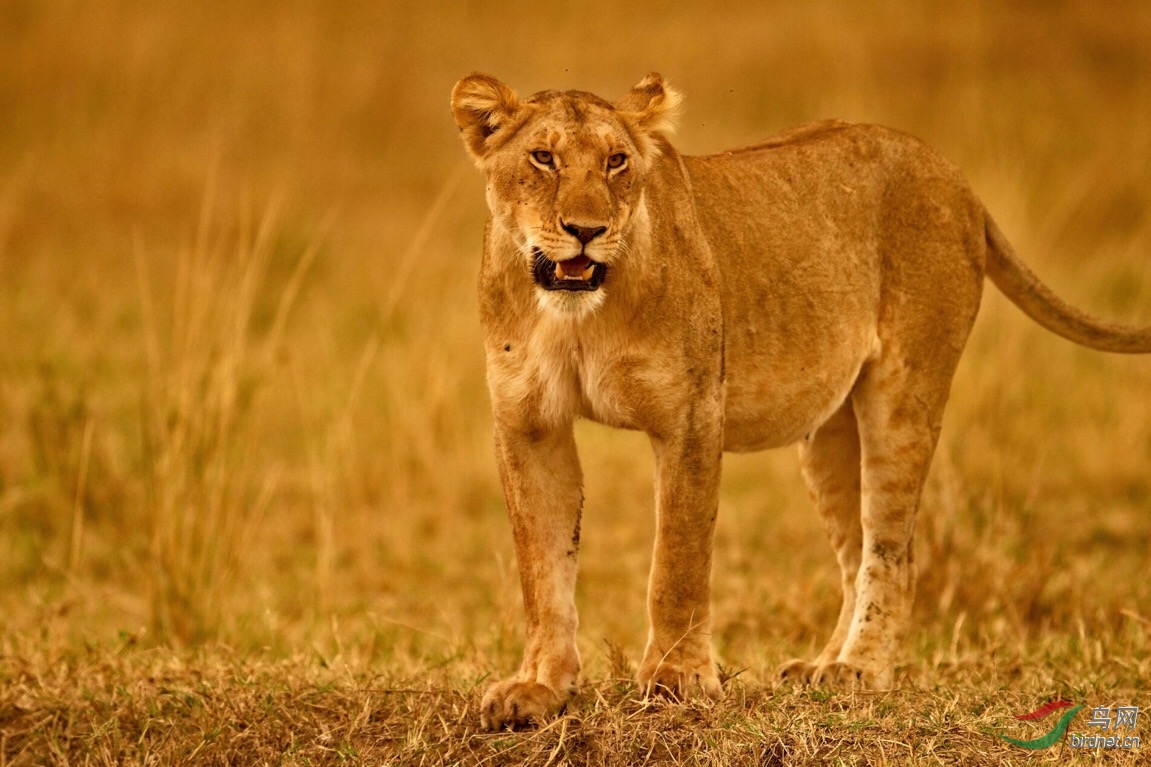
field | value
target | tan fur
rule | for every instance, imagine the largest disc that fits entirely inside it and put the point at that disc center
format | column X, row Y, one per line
column 816, row 288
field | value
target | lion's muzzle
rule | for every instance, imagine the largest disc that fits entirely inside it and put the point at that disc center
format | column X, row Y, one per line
column 579, row 273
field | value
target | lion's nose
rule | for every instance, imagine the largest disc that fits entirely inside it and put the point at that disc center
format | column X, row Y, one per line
column 584, row 234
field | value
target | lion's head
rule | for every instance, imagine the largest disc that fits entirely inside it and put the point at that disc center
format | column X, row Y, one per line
column 565, row 176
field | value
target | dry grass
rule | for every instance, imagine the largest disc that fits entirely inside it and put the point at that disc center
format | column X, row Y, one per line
column 215, row 707
column 248, row 507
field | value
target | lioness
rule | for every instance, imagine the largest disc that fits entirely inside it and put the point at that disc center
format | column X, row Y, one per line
column 817, row 288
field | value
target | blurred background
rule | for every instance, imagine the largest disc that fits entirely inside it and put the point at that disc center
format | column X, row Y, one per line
column 241, row 381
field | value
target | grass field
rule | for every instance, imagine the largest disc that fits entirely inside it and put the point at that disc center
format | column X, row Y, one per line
column 249, row 511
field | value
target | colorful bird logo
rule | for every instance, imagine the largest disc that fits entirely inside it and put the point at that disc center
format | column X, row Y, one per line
column 1056, row 732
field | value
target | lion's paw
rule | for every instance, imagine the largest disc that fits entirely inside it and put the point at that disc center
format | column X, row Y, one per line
column 844, row 676
column 836, row 675
column 680, row 682
column 514, row 703
column 796, row 671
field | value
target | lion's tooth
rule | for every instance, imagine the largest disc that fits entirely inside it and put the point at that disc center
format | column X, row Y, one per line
column 559, row 271
column 588, row 272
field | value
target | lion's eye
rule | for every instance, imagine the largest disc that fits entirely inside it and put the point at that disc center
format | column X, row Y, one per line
column 617, row 161
column 543, row 157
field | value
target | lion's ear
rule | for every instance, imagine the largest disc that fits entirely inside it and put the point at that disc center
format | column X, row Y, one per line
column 482, row 105
column 652, row 105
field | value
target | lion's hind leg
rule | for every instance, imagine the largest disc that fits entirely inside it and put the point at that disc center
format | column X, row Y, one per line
column 830, row 460
column 899, row 409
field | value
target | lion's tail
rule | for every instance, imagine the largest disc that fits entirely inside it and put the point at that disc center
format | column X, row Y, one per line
column 1038, row 302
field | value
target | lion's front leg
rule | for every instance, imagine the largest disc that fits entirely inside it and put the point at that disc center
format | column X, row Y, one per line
column 678, row 659
column 543, row 490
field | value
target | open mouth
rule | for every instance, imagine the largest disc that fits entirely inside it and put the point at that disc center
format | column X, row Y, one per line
column 579, row 273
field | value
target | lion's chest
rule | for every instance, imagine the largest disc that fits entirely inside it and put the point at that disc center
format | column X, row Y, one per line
column 559, row 377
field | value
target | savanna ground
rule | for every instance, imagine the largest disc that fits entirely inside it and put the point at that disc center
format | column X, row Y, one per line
column 248, row 506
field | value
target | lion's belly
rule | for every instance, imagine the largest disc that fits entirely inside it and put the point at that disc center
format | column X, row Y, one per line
column 800, row 321
column 777, row 396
